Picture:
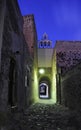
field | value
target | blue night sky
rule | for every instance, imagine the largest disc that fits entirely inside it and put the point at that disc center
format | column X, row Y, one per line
column 60, row 19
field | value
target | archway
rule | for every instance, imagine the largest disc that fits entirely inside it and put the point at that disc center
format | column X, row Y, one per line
column 12, row 90
column 44, row 88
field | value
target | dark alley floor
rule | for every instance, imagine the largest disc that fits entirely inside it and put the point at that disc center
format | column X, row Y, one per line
column 44, row 117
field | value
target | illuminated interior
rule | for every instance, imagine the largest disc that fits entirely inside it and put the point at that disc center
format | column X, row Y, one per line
column 43, row 90
column 51, row 99
column 44, row 74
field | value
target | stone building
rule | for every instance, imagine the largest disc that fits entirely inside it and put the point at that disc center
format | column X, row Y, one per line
column 30, row 33
column 41, row 57
column 71, row 88
column 14, row 57
column 44, row 89
column 62, row 65
column 67, row 55
column 53, row 68
column 29, row 30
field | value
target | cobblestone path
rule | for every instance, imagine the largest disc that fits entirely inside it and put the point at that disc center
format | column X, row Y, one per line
column 43, row 117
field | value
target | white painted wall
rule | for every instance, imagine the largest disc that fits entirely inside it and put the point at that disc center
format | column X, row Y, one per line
column 45, row 57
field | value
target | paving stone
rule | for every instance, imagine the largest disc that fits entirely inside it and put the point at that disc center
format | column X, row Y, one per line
column 43, row 117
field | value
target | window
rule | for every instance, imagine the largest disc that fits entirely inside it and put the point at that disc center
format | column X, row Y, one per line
column 48, row 43
column 44, row 43
column 41, row 43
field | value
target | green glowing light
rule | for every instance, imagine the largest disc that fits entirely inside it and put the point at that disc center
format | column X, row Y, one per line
column 35, row 87
column 41, row 71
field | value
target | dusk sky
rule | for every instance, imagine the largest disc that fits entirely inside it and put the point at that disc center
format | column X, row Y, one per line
column 60, row 19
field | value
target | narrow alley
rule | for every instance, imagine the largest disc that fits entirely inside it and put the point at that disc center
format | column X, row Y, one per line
column 39, row 77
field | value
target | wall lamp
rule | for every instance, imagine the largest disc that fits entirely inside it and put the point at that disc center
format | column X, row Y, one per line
column 41, row 71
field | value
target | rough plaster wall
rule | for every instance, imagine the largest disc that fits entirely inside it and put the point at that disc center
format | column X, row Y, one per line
column 13, row 41
column 2, row 15
column 68, row 55
column 71, row 88
column 45, row 57
column 18, row 15
column 17, row 45
column 54, row 72
column 5, row 60
column 22, row 59
column 29, row 30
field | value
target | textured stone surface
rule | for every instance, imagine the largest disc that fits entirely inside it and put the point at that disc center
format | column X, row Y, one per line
column 44, row 117
column 14, row 57
column 68, row 54
column 29, row 31
column 68, row 64
column 71, row 88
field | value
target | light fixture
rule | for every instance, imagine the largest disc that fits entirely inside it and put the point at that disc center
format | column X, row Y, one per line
column 41, row 71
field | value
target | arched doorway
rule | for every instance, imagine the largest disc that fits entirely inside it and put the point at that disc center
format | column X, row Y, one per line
column 44, row 88
column 12, row 90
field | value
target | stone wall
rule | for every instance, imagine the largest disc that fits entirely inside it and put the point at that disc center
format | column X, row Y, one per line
column 68, row 54
column 30, row 33
column 68, row 77
column 14, row 59
column 29, row 30
column 2, row 14
column 71, row 88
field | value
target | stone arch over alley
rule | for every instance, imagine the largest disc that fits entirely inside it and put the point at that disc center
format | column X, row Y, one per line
column 45, row 87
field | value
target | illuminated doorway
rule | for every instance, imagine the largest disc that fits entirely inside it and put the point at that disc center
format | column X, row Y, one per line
column 44, row 88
